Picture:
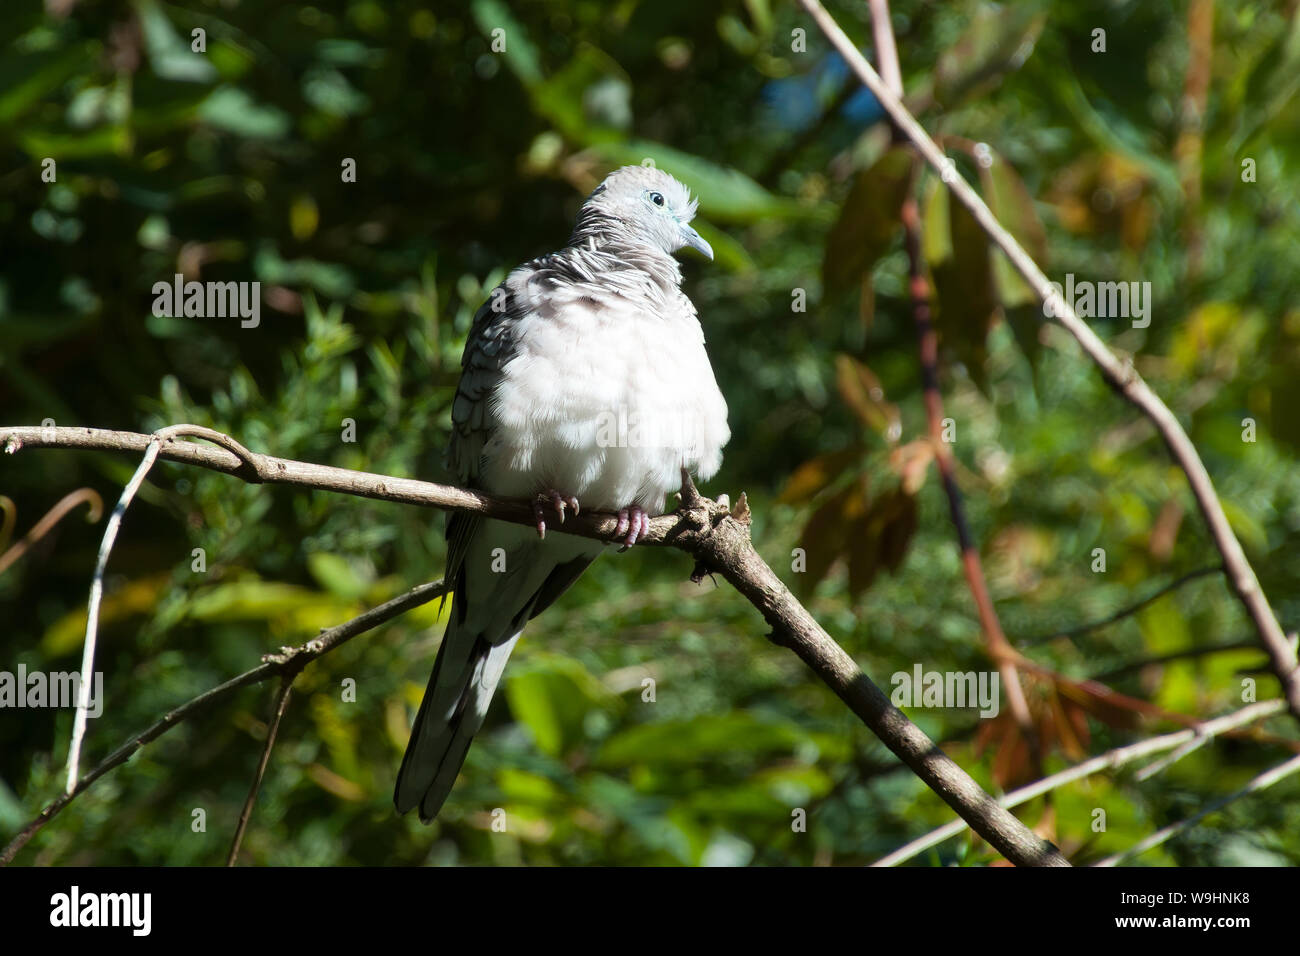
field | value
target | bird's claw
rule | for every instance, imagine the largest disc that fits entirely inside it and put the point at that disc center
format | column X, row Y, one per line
column 634, row 522
column 556, row 502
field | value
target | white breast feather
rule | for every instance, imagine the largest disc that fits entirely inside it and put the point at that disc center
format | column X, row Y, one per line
column 606, row 398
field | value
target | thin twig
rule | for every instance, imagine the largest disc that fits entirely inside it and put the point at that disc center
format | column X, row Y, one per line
column 1171, row 758
column 1110, row 760
column 101, row 564
column 882, row 30
column 1123, row 613
column 273, row 665
column 717, row 536
column 92, row 612
column 265, row 469
column 728, row 551
column 89, row 496
column 281, row 705
column 1119, row 373
column 1190, row 145
column 1185, row 653
column 995, row 639
column 1265, row 779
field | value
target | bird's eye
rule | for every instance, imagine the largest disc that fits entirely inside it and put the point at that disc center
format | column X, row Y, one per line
column 657, row 198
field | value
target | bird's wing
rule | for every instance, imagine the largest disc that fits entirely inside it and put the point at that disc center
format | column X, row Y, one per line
column 491, row 343
column 501, row 574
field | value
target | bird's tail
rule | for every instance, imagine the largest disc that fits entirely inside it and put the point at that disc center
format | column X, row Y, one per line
column 465, row 675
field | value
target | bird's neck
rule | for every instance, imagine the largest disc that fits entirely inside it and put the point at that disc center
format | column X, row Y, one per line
column 607, row 238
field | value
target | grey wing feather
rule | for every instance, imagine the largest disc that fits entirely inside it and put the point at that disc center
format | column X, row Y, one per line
column 487, row 349
column 489, row 346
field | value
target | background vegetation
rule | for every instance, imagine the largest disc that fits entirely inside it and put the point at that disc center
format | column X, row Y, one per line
column 226, row 166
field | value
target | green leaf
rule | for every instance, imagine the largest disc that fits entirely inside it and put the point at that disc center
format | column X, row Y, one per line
column 524, row 787
column 679, row 742
column 826, row 535
column 336, row 575
column 862, row 392
column 170, row 56
column 868, row 222
column 105, row 141
column 66, row 634
column 30, row 79
column 250, row 599
column 725, row 194
column 231, row 109
column 936, row 232
column 963, row 282
column 551, row 696
column 589, row 99
column 728, row 253
column 520, row 53
column 1011, row 204
column 997, row 40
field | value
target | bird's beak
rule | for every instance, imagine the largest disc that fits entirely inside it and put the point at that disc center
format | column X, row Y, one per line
column 693, row 239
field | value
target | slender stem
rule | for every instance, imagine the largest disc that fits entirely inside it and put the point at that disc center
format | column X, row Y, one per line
column 715, row 534
column 273, row 665
column 88, row 496
column 281, row 705
column 1125, row 612
column 1266, row 779
column 1119, row 373
column 1186, row 653
column 101, row 565
column 1110, row 760
column 92, row 612
column 995, row 639
column 882, row 28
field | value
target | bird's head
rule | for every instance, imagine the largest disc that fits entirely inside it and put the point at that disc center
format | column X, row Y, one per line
column 648, row 206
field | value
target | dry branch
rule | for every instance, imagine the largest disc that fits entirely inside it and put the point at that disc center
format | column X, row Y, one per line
column 716, row 536
column 288, row 662
column 1118, row 373
column 1111, row 760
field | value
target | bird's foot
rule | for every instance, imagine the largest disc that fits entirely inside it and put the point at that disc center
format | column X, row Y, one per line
column 633, row 521
column 556, row 502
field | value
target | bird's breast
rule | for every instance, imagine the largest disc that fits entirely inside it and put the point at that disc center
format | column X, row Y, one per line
column 605, row 399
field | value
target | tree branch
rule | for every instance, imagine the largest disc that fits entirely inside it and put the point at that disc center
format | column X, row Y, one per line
column 1118, row 373
column 1123, row 613
column 1265, row 779
column 94, row 509
column 715, row 535
column 288, row 661
column 927, row 340
column 1188, row 652
column 1110, row 760
column 727, row 550
column 273, row 728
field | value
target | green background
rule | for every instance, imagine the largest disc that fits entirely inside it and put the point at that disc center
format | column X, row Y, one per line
column 226, row 166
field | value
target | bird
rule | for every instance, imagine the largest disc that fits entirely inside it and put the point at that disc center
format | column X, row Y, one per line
column 585, row 384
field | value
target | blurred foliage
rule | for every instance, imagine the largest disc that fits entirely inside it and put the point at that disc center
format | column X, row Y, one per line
column 472, row 157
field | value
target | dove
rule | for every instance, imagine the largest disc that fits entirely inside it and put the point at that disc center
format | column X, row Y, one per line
column 585, row 385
